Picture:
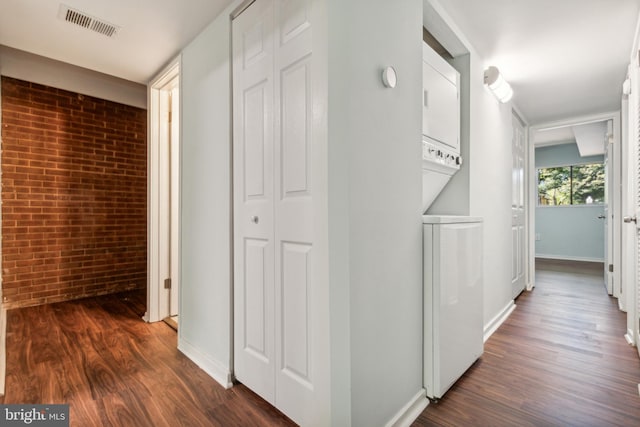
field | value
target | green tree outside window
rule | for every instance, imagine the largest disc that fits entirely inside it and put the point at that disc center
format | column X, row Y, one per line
column 571, row 185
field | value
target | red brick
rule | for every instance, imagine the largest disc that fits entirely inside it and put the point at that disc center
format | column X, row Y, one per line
column 74, row 195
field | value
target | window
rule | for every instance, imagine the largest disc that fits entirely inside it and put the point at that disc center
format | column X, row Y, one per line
column 571, row 185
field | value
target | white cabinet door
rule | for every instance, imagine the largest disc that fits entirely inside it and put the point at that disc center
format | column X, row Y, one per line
column 276, row 281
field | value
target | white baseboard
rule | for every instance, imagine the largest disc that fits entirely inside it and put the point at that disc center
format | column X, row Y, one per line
column 621, row 306
column 629, row 337
column 212, row 367
column 498, row 320
column 569, row 258
column 411, row 411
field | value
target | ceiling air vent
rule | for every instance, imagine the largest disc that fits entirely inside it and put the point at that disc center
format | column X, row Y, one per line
column 87, row 21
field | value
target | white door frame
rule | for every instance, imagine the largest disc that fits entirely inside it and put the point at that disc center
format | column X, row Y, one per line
column 157, row 170
column 615, row 198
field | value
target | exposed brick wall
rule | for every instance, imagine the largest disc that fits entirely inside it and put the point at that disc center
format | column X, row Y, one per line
column 74, row 195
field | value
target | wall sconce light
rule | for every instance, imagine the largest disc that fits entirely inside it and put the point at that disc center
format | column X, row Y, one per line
column 498, row 85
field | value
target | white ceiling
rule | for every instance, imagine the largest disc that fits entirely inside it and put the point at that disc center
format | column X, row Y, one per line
column 563, row 58
column 554, row 135
column 153, row 32
column 590, row 137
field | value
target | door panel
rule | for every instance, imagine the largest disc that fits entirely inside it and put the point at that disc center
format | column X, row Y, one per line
column 295, row 129
column 295, row 299
column 254, row 141
column 256, row 309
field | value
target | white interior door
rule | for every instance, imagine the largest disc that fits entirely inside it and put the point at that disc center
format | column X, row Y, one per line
column 633, row 207
column 517, row 208
column 253, row 122
column 634, row 135
column 274, row 237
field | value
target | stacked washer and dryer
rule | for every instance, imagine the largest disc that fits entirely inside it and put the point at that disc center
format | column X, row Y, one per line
column 452, row 266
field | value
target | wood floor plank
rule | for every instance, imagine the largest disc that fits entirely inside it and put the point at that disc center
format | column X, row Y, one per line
column 113, row 369
column 559, row 360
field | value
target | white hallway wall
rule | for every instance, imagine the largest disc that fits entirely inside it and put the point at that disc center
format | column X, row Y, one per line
column 206, row 294
column 374, row 203
column 374, row 199
column 487, row 184
column 379, row 294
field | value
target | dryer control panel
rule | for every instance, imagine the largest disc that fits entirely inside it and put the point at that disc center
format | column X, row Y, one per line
column 437, row 154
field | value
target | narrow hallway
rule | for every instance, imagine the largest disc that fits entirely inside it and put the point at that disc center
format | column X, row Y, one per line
column 559, row 360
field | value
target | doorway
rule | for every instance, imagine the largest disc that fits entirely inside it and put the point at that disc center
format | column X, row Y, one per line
column 163, row 302
column 575, row 186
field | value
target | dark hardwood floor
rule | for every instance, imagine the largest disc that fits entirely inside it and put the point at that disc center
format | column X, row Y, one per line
column 114, row 369
column 559, row 360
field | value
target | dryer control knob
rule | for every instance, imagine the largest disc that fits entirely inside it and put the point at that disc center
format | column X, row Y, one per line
column 458, row 160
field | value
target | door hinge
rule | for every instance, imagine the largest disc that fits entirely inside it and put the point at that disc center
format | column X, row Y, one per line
column 167, row 283
column 610, row 268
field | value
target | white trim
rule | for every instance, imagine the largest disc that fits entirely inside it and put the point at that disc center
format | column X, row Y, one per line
column 498, row 320
column 576, row 121
column 569, row 258
column 621, row 305
column 411, row 411
column 212, row 367
column 585, row 205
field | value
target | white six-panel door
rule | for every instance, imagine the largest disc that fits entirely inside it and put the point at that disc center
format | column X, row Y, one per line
column 634, row 169
column 274, row 254
column 253, row 174
column 517, row 208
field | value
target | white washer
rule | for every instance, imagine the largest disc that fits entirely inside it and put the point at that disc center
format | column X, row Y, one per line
column 453, row 299
column 439, row 164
